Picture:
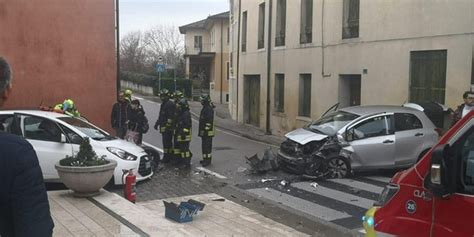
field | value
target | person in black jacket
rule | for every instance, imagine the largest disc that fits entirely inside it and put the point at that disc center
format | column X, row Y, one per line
column 137, row 123
column 120, row 113
column 178, row 95
column 24, row 206
column 183, row 133
column 206, row 129
column 464, row 108
column 165, row 122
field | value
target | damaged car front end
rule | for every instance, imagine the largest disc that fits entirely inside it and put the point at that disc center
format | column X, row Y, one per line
column 314, row 151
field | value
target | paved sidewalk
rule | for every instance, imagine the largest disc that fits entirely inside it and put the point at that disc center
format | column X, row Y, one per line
column 80, row 217
column 219, row 218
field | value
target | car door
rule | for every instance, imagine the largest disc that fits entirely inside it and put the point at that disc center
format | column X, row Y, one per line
column 410, row 136
column 45, row 136
column 372, row 143
column 454, row 215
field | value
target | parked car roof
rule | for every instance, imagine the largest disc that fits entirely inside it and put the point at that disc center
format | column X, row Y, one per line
column 37, row 112
column 373, row 109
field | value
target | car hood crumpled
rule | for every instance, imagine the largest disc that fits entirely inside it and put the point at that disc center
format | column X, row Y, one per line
column 303, row 136
column 124, row 145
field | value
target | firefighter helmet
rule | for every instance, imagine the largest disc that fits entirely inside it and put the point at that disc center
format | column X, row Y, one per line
column 178, row 95
column 164, row 93
column 183, row 104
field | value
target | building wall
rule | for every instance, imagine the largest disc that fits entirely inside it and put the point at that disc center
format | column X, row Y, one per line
column 61, row 49
column 388, row 32
column 214, row 41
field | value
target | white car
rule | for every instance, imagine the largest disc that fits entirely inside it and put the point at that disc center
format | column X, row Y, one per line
column 55, row 136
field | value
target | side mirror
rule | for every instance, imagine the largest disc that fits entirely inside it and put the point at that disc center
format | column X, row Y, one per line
column 63, row 138
column 441, row 177
column 349, row 135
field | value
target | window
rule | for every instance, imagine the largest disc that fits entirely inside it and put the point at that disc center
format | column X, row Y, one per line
column 228, row 35
column 6, row 122
column 464, row 148
column 428, row 76
column 228, row 70
column 279, row 92
column 304, row 107
column 226, row 97
column 373, row 127
column 405, row 122
column 197, row 42
column 261, row 26
column 244, row 31
column 306, row 24
column 71, row 136
column 472, row 67
column 280, row 23
column 350, row 19
column 42, row 129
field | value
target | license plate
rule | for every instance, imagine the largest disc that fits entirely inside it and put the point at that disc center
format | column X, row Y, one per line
column 148, row 165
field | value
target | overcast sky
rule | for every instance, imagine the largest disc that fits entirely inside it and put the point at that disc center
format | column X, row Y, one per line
column 143, row 14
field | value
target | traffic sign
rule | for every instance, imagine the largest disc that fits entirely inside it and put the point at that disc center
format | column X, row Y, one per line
column 160, row 67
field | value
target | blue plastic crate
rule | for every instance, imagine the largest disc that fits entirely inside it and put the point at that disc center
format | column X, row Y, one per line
column 184, row 212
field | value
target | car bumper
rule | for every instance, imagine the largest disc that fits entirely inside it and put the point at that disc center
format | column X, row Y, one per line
column 291, row 164
column 142, row 169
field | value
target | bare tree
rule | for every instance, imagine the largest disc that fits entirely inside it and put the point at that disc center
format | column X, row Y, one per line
column 133, row 53
column 164, row 41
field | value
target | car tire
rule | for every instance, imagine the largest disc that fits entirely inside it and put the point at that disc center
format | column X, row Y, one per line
column 338, row 167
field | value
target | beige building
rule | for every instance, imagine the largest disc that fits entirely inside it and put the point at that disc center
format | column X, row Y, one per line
column 207, row 54
column 293, row 59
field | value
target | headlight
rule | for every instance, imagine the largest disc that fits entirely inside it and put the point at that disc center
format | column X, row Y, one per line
column 121, row 154
column 387, row 194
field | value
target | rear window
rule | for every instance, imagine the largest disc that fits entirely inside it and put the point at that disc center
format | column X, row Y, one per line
column 406, row 121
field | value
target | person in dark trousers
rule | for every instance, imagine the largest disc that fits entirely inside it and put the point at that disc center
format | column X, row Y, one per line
column 137, row 123
column 24, row 206
column 206, row 129
column 119, row 117
column 183, row 133
column 464, row 108
column 178, row 95
column 165, row 122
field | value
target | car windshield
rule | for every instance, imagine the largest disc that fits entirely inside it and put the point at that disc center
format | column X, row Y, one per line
column 331, row 123
column 87, row 129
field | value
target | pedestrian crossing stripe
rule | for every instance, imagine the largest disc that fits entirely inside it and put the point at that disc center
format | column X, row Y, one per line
column 359, row 185
column 337, row 195
column 299, row 204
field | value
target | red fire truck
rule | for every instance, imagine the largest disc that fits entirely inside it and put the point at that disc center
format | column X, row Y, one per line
column 436, row 196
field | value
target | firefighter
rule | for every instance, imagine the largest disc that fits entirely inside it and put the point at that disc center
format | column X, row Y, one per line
column 183, row 133
column 206, row 129
column 128, row 95
column 165, row 122
column 178, row 95
column 68, row 107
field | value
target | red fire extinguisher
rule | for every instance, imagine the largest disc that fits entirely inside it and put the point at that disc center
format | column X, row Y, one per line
column 129, row 190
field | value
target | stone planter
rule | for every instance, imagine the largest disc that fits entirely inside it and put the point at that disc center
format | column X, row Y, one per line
column 86, row 181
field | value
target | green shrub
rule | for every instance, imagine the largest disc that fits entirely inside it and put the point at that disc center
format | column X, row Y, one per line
column 85, row 157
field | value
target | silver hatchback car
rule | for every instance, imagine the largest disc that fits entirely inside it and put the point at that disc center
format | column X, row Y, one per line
column 358, row 138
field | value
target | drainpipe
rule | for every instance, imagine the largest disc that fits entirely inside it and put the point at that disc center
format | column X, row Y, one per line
column 269, row 64
column 322, row 42
column 117, row 44
column 238, row 60
column 222, row 56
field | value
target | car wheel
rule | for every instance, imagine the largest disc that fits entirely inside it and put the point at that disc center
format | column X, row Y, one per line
column 338, row 167
column 315, row 167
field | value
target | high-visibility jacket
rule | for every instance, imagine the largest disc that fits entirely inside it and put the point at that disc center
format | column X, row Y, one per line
column 70, row 112
column 166, row 117
column 184, row 126
column 206, row 121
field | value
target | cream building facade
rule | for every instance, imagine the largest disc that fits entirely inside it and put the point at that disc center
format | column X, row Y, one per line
column 316, row 53
column 207, row 54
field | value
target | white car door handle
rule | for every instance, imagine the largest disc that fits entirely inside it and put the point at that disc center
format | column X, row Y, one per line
column 387, row 141
column 419, row 134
